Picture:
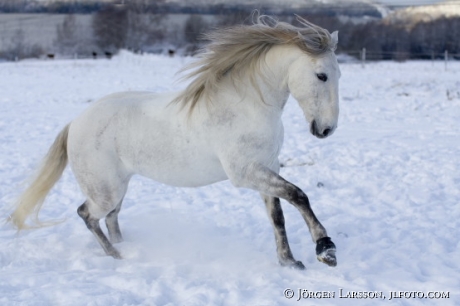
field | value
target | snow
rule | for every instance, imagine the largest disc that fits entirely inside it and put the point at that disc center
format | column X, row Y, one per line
column 385, row 185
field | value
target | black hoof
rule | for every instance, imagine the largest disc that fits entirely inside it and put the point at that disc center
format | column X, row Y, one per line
column 297, row 265
column 325, row 251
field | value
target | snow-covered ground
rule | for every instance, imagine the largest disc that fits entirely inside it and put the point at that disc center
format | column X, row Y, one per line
column 385, row 185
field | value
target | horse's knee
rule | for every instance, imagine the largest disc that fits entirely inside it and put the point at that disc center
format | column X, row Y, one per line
column 83, row 212
column 295, row 195
column 91, row 211
column 112, row 215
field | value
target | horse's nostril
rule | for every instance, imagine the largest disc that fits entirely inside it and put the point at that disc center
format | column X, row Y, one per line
column 326, row 132
column 313, row 128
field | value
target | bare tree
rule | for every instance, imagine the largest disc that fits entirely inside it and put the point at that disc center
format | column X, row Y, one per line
column 194, row 28
column 67, row 40
column 18, row 49
column 144, row 31
column 110, row 26
column 13, row 5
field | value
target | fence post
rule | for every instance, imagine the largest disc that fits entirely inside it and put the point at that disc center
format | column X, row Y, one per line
column 446, row 57
column 363, row 57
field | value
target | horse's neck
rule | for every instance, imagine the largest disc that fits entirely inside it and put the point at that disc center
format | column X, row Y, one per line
column 264, row 92
column 273, row 82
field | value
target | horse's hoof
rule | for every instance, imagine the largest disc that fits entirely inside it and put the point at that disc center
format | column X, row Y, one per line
column 328, row 257
column 296, row 265
column 115, row 254
column 325, row 251
column 293, row 264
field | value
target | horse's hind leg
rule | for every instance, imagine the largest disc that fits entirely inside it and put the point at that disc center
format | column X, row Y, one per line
column 93, row 225
column 104, row 197
column 275, row 213
column 111, row 221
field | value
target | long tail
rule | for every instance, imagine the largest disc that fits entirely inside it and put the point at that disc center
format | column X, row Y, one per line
column 47, row 175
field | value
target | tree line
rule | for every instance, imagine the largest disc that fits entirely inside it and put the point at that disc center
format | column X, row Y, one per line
column 401, row 41
column 383, row 40
column 349, row 8
column 134, row 27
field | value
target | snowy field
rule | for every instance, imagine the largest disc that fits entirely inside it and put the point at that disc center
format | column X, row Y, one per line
column 385, row 185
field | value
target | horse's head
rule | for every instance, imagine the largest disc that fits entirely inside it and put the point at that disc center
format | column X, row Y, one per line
column 314, row 82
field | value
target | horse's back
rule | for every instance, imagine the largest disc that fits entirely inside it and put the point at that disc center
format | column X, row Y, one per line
column 142, row 133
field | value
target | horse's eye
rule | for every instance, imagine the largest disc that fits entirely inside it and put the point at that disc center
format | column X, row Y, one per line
column 322, row 77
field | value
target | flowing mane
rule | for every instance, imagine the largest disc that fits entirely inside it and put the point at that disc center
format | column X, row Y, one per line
column 239, row 48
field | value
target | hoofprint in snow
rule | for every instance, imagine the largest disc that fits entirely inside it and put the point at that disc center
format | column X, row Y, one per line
column 385, row 185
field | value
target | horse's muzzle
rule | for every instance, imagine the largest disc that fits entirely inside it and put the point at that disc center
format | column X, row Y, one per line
column 320, row 133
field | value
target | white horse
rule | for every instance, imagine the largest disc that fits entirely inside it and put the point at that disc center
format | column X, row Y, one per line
column 225, row 125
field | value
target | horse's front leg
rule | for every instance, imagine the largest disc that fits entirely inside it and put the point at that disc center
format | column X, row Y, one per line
column 275, row 213
column 270, row 183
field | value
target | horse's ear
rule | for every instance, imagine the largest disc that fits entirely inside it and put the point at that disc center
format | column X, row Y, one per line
column 335, row 38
